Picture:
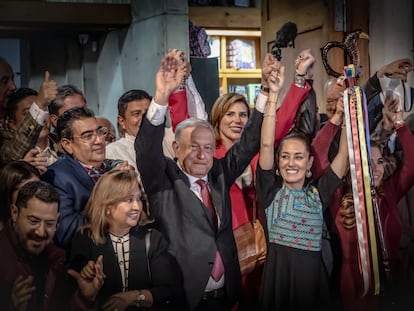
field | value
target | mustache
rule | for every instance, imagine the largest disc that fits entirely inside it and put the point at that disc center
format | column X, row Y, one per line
column 38, row 238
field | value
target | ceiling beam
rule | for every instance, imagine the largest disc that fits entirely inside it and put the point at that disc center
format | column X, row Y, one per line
column 40, row 15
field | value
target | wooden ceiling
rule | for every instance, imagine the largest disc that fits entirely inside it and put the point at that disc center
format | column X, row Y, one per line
column 28, row 18
column 22, row 18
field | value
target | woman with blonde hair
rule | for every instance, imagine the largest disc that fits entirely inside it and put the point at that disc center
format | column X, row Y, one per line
column 133, row 258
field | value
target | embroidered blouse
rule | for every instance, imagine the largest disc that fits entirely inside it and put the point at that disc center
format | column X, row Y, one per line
column 295, row 218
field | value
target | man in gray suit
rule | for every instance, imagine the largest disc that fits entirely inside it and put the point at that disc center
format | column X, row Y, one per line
column 200, row 239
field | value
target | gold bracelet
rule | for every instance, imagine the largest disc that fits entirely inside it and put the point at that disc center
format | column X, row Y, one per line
column 271, row 115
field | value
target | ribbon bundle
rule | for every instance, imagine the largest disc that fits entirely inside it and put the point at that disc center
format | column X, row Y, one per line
column 366, row 208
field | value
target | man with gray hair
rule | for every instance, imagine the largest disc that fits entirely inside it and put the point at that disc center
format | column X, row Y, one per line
column 189, row 197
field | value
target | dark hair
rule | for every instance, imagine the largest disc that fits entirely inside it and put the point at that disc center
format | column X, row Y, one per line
column 295, row 135
column 64, row 127
column 11, row 175
column 63, row 92
column 14, row 99
column 40, row 190
column 130, row 96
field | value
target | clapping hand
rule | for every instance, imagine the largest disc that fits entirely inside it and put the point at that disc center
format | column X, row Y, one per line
column 22, row 292
column 90, row 279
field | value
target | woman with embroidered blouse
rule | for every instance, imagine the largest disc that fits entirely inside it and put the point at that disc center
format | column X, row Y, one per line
column 130, row 261
column 294, row 274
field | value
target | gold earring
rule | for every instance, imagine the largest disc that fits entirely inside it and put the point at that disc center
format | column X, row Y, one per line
column 308, row 173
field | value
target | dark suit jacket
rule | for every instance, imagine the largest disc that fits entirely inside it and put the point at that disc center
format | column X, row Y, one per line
column 74, row 186
column 182, row 217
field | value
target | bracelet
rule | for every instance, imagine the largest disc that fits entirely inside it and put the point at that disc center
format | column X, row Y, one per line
column 271, row 115
column 264, row 88
column 300, row 74
column 398, row 124
column 300, row 81
column 182, row 85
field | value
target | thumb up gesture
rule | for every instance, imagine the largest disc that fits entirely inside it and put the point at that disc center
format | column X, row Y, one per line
column 47, row 92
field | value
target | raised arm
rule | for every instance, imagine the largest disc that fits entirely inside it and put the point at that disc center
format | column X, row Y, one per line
column 27, row 134
column 148, row 143
column 177, row 102
column 340, row 163
column 324, row 140
column 275, row 80
column 298, row 91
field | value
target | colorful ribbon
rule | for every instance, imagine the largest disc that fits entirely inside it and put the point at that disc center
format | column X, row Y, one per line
column 361, row 176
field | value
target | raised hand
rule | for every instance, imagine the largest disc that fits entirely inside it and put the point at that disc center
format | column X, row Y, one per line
column 347, row 211
column 90, row 287
column 269, row 64
column 338, row 116
column 47, row 92
column 168, row 79
column 276, row 78
column 397, row 69
column 22, row 292
column 181, row 60
column 304, row 63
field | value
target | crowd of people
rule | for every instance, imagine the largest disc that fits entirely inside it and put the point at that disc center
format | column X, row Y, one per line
column 89, row 221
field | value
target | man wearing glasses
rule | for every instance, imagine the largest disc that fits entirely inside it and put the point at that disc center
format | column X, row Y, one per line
column 75, row 173
column 32, row 269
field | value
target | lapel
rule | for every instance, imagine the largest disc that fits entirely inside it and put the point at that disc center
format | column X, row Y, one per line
column 134, row 260
column 110, row 265
column 217, row 202
column 80, row 173
column 215, row 193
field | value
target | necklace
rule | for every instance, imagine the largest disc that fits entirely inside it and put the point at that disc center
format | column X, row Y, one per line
column 117, row 235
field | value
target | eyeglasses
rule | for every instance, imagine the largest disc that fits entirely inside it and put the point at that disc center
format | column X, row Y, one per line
column 35, row 223
column 91, row 135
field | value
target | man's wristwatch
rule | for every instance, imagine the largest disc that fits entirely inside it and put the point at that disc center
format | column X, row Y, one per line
column 265, row 89
column 140, row 299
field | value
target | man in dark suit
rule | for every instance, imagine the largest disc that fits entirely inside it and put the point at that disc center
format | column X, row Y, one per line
column 74, row 174
column 200, row 240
